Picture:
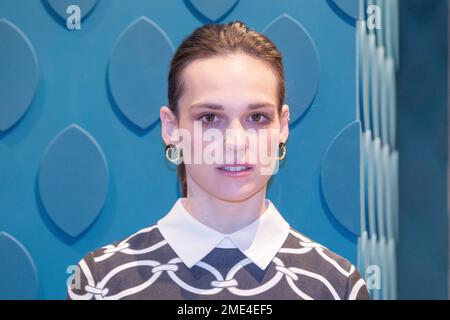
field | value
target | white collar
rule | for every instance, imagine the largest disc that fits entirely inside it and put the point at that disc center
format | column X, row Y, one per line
column 192, row 240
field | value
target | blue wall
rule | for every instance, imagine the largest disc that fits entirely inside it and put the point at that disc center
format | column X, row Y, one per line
column 81, row 157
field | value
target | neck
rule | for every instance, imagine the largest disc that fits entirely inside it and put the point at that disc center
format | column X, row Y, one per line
column 223, row 215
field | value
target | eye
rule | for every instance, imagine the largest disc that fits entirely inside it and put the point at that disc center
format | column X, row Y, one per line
column 259, row 117
column 209, row 118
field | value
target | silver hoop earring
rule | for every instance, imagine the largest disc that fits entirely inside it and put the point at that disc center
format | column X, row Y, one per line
column 283, row 149
column 173, row 154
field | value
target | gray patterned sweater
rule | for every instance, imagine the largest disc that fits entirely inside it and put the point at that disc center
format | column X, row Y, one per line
column 144, row 266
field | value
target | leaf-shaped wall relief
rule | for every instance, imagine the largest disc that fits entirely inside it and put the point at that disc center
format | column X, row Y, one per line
column 137, row 71
column 18, row 74
column 340, row 177
column 213, row 11
column 60, row 7
column 301, row 61
column 73, row 180
column 19, row 276
column 350, row 8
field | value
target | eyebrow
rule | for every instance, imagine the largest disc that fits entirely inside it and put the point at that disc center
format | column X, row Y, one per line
column 215, row 106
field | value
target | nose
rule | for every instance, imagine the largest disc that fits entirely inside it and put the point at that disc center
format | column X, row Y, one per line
column 236, row 142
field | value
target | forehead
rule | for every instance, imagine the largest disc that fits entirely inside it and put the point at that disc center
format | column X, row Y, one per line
column 235, row 79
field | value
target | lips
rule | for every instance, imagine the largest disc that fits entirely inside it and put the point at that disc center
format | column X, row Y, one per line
column 236, row 170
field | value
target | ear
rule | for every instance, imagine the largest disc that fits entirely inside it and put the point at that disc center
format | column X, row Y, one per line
column 284, row 123
column 169, row 124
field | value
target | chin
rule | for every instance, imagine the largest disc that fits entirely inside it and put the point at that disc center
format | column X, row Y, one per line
column 235, row 193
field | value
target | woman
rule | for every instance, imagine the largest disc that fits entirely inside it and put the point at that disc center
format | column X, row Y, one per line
column 222, row 239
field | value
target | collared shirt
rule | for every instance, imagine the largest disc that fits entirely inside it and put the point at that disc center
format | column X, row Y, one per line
column 192, row 240
column 180, row 258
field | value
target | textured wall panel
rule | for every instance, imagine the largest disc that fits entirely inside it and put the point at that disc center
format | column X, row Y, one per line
column 349, row 7
column 19, row 280
column 138, row 71
column 73, row 180
column 213, row 10
column 302, row 70
column 18, row 76
column 60, row 7
column 340, row 179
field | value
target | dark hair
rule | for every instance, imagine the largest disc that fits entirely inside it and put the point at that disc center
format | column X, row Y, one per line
column 215, row 40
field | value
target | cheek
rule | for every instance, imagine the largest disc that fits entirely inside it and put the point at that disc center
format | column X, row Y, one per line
column 274, row 140
column 264, row 145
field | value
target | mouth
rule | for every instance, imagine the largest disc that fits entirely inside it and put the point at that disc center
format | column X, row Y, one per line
column 235, row 170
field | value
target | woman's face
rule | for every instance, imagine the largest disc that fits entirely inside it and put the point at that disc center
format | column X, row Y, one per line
column 229, row 125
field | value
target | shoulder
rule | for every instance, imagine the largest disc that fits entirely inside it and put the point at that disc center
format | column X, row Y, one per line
column 322, row 268
column 142, row 244
column 128, row 253
column 142, row 239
